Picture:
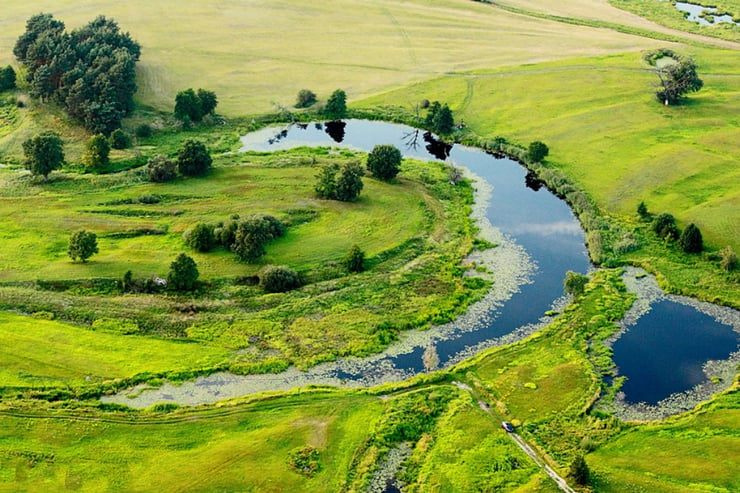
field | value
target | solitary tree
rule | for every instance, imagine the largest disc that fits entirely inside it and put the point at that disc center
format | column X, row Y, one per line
column 44, row 153
column 677, row 79
column 188, row 105
column 7, row 78
column 183, row 275
column 336, row 105
column 306, row 98
column 537, row 151
column 384, row 161
column 119, row 139
column 193, row 158
column 691, row 240
column 574, row 283
column 326, row 181
column 642, row 210
column 208, row 102
column 161, row 169
column 82, row 245
column 96, row 152
column 253, row 233
column 354, row 261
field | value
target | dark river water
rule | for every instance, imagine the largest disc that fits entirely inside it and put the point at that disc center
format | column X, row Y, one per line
column 540, row 240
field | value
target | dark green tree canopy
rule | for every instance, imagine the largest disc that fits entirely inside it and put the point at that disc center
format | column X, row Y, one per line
column 574, row 283
column 252, row 233
column 677, row 78
column 336, row 105
column 537, row 151
column 354, row 261
column 119, row 139
column 439, row 118
column 91, row 71
column 82, row 245
column 349, row 183
column 193, row 158
column 44, row 153
column 664, row 225
column 384, row 161
column 7, row 78
column 279, row 278
column 305, row 99
column 691, row 240
column 183, row 275
column 200, row 237
column 326, row 181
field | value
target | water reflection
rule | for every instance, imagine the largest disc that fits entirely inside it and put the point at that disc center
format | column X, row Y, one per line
column 335, row 130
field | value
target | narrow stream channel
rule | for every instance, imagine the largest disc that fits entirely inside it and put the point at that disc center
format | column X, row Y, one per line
column 538, row 237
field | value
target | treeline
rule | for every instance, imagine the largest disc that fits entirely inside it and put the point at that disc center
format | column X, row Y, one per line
column 90, row 72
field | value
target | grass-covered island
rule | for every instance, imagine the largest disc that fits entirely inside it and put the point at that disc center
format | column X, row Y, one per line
column 139, row 246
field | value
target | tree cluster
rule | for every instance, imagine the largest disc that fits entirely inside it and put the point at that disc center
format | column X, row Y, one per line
column 90, row 71
column 192, row 106
column 439, row 119
column 340, row 183
column 384, row 161
column 690, row 240
column 7, row 78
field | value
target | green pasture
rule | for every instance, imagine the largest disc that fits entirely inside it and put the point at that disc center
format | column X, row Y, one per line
column 607, row 132
column 45, row 353
column 697, row 452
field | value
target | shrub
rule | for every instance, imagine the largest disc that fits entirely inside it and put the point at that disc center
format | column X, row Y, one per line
column 579, row 471
column 143, row 131
column 665, row 227
column 306, row 98
column 691, row 240
column 119, row 139
column 183, row 274
column 728, row 259
column 278, row 279
column 200, row 237
column 537, row 151
column 384, row 161
column 253, row 233
column 354, row 261
column 193, row 158
column 305, row 460
column 161, row 169
column 96, row 152
column 574, row 283
column 642, row 210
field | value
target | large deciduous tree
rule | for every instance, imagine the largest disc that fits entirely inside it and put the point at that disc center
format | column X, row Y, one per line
column 82, row 245
column 336, row 105
column 193, row 158
column 677, row 77
column 384, row 161
column 44, row 153
column 253, row 233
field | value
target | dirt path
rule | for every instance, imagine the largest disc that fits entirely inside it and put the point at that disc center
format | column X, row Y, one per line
column 562, row 484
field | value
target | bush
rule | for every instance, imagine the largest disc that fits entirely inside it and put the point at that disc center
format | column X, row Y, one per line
column 278, row 279
column 183, row 274
column 354, row 261
column 691, row 240
column 193, row 158
column 305, row 460
column 537, row 151
column 119, row 139
column 575, row 283
column 253, row 233
column 200, row 237
column 665, row 227
column 384, row 161
column 305, row 99
column 96, row 152
column 143, row 131
column 728, row 259
column 161, row 169
column 642, row 210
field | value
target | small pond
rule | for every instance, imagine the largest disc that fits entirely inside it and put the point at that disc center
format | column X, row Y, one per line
column 539, row 240
column 703, row 15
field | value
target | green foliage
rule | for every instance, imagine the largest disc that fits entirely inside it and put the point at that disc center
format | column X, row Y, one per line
column 336, row 105
column 192, row 107
column 91, row 71
column 305, row 99
column 44, row 153
column 252, row 233
column 728, row 259
column 676, row 79
column 279, row 279
column 119, row 326
column 7, row 78
column 537, row 151
column 193, row 159
column 691, row 240
column 143, row 131
column 326, row 181
column 384, row 161
column 82, row 245
column 200, row 237
column 96, row 152
column 439, row 118
column 346, row 187
column 575, row 283
column 354, row 261
column 664, row 225
column 183, row 275
column 161, row 169
column 642, row 210
column 305, row 460
column 208, row 101
column 579, row 472
column 119, row 139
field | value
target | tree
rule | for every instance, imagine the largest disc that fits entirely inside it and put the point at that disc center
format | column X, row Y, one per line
column 642, row 210
column 193, row 158
column 44, row 153
column 96, row 152
column 200, row 237
column 384, row 161
column 208, row 102
column 187, row 104
column 278, row 279
column 336, row 106
column 253, row 233
column 326, row 181
column 305, row 99
column 7, row 78
column 119, row 139
column 82, row 245
column 664, row 225
column 575, row 283
column 354, row 261
column 677, row 79
column 430, row 358
column 537, row 151
column 728, row 259
column 691, row 240
column 183, row 275
column 579, row 471
column 161, row 169
column 349, row 184
column 443, row 122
